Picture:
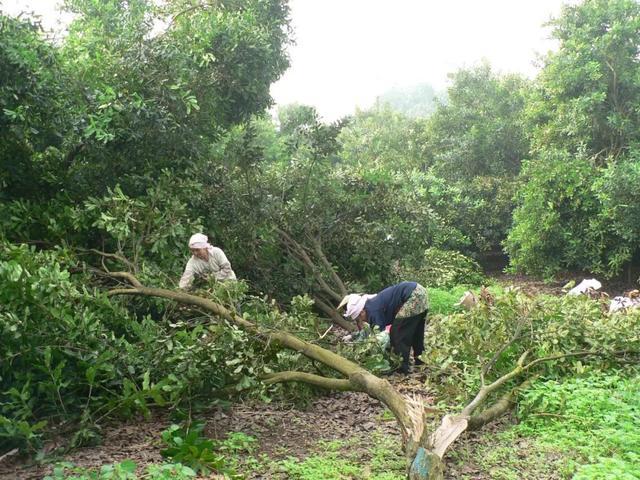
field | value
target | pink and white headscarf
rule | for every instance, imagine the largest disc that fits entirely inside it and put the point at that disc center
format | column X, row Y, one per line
column 199, row 240
column 355, row 303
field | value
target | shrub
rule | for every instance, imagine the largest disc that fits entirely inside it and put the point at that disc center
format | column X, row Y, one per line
column 443, row 269
column 462, row 342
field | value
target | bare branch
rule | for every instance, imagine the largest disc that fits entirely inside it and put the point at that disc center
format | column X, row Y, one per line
column 317, row 248
column 310, row 378
column 127, row 276
column 499, row 408
column 585, row 353
column 300, row 253
column 10, row 453
column 326, row 332
column 514, row 338
column 334, row 315
column 114, row 256
column 123, row 291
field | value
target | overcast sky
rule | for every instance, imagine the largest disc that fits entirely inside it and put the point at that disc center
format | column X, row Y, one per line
column 348, row 52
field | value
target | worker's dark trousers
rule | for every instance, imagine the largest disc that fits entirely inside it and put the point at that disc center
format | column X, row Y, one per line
column 407, row 333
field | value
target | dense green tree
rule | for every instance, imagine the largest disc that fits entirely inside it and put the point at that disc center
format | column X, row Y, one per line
column 152, row 87
column 480, row 131
column 587, row 94
column 302, row 124
column 587, row 134
column 476, row 142
column 382, row 137
column 33, row 105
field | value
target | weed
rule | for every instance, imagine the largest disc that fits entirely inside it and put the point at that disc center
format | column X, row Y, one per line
column 597, row 418
column 189, row 446
column 125, row 470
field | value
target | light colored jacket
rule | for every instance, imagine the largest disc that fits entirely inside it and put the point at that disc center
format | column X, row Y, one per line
column 217, row 265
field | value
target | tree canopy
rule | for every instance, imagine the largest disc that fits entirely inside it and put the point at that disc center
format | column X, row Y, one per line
column 149, row 122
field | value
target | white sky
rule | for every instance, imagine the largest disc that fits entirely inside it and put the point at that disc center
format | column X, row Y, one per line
column 348, row 52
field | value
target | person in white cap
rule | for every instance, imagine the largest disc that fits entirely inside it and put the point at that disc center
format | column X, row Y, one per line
column 403, row 306
column 205, row 260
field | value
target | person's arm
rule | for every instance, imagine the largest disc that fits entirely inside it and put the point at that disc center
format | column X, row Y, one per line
column 376, row 319
column 187, row 277
column 225, row 272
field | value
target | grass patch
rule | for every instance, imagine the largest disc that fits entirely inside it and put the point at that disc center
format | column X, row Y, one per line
column 595, row 418
column 443, row 301
column 584, row 428
column 377, row 457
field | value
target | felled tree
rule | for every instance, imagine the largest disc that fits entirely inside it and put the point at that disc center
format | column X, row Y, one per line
column 424, row 449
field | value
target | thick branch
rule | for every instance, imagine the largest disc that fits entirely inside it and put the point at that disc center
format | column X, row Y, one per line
column 453, row 426
column 310, row 378
column 128, row 277
column 300, row 253
column 333, row 314
column 499, row 408
column 317, row 248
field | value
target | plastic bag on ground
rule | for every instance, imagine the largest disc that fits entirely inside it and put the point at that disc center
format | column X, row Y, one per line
column 584, row 286
column 631, row 300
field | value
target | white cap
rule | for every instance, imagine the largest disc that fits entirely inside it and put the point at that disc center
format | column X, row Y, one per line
column 199, row 240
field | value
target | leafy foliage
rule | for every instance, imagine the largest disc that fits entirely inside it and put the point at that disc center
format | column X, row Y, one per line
column 586, row 133
column 71, row 352
column 512, row 324
column 444, row 269
column 147, row 123
column 480, row 131
column 124, row 470
column 418, row 101
column 190, row 447
column 558, row 414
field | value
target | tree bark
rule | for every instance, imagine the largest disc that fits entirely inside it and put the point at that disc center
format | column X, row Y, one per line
column 334, row 315
column 317, row 380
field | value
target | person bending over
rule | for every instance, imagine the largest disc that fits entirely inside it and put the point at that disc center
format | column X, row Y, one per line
column 403, row 306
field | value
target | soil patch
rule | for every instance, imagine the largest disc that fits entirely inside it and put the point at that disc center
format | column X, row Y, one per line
column 534, row 286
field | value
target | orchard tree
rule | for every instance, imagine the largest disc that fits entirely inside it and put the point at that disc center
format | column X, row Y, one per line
column 147, row 87
column 476, row 143
column 480, row 130
column 587, row 94
column 588, row 124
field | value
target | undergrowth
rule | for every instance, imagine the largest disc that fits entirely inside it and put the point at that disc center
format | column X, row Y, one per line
column 596, row 418
column 443, row 300
column 378, row 457
column 582, row 428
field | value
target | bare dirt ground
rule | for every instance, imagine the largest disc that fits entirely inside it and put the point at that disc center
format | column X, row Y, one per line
column 534, row 286
column 282, row 431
